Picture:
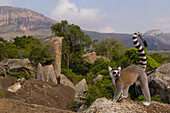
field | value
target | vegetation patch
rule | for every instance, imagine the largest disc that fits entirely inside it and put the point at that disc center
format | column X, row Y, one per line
column 20, row 75
column 1, row 94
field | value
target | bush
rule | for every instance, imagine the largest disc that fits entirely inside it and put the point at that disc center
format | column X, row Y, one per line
column 1, row 94
column 100, row 65
column 159, row 58
column 151, row 64
column 40, row 55
column 133, row 55
column 154, row 98
column 20, row 75
column 102, row 88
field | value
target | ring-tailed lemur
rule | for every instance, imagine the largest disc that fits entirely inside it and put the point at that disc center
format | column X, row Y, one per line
column 123, row 79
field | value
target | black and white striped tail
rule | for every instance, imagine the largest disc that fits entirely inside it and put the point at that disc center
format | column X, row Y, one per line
column 142, row 54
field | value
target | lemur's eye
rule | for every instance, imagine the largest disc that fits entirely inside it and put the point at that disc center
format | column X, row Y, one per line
column 117, row 72
column 114, row 72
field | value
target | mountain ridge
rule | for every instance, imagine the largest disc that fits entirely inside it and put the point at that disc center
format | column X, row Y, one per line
column 160, row 42
column 16, row 21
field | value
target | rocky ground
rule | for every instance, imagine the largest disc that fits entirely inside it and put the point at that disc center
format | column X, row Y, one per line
column 15, row 106
column 103, row 105
column 40, row 93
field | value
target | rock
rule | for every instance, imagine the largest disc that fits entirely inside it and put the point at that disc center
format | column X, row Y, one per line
column 6, row 82
column 81, row 87
column 91, row 57
column 46, row 73
column 80, row 95
column 55, row 48
column 15, row 106
column 99, row 77
column 65, row 81
column 43, row 93
column 82, row 108
column 159, row 83
column 15, row 65
column 103, row 105
column 15, row 87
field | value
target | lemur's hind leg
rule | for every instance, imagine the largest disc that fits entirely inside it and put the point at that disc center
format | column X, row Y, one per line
column 145, row 89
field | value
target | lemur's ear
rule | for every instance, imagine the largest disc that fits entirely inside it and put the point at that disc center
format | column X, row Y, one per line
column 119, row 68
column 110, row 69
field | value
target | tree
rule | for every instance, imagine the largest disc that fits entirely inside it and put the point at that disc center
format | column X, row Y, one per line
column 110, row 48
column 41, row 55
column 75, row 43
column 8, row 49
column 25, row 47
column 132, row 55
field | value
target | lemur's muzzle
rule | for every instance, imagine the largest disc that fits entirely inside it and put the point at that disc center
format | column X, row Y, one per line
column 117, row 76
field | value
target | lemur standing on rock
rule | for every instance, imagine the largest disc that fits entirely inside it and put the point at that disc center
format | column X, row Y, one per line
column 123, row 79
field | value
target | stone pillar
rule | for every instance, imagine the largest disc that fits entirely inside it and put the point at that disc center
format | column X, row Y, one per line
column 55, row 48
column 57, row 62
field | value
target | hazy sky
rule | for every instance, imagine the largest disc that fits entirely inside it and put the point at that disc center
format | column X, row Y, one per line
column 120, row 16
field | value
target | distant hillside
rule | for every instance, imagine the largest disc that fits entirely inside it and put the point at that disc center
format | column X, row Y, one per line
column 156, row 39
column 18, row 21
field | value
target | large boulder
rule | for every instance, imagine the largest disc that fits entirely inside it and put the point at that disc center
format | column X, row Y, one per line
column 159, row 83
column 91, row 57
column 81, row 88
column 65, row 81
column 5, row 82
column 15, row 106
column 15, row 65
column 46, row 73
column 55, row 48
column 103, row 105
column 43, row 93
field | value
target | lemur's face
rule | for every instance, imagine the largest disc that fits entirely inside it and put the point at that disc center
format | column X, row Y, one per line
column 114, row 72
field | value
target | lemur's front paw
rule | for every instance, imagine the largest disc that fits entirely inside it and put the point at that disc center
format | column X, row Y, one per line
column 114, row 100
column 122, row 97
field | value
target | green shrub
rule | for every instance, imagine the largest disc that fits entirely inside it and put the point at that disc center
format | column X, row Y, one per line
column 1, row 94
column 159, row 58
column 20, row 75
column 40, row 55
column 100, row 65
column 102, row 88
column 140, row 98
column 133, row 55
column 154, row 98
column 151, row 64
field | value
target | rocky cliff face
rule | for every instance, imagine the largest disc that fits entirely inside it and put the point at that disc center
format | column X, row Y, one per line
column 26, row 19
column 13, row 19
